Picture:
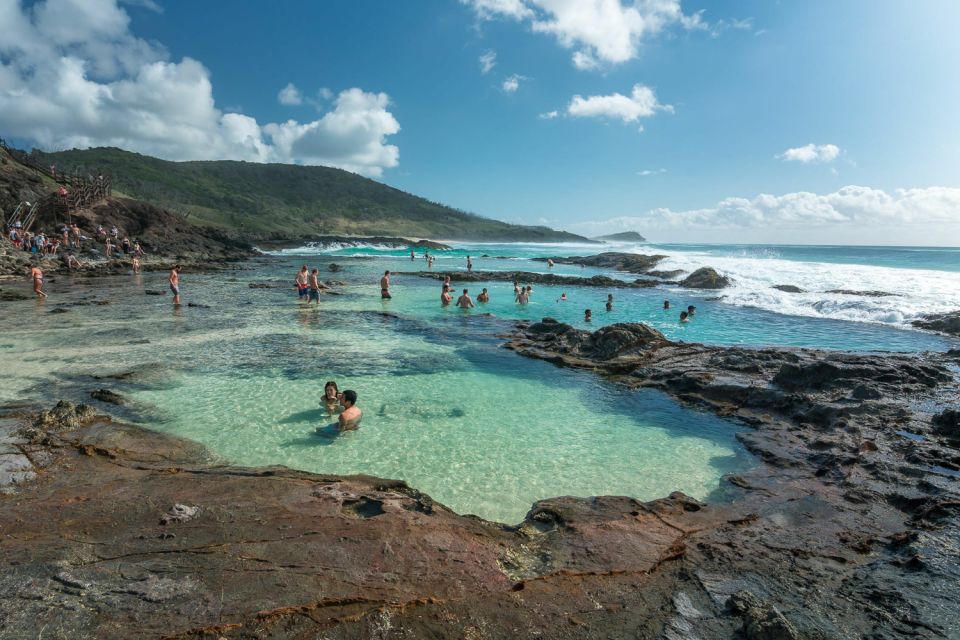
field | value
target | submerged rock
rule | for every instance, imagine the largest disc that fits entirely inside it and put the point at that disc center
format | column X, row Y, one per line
column 106, row 395
column 789, row 288
column 868, row 294
column 705, row 278
column 527, row 277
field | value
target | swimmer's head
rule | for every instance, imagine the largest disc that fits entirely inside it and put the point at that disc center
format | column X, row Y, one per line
column 330, row 385
column 464, row 292
column 349, row 396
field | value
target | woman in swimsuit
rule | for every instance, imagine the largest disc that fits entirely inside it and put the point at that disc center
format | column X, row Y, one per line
column 331, row 397
column 37, row 274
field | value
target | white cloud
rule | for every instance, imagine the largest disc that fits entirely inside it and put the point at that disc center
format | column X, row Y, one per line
column 600, row 31
column 488, row 61
column 290, row 96
column 651, row 172
column 851, row 207
column 512, row 82
column 549, row 115
column 72, row 75
column 641, row 103
column 811, row 153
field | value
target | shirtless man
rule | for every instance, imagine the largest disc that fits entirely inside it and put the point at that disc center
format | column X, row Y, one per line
column 174, row 281
column 484, row 296
column 523, row 297
column 37, row 274
column 314, row 288
column 445, row 297
column 351, row 415
column 385, row 286
column 136, row 264
column 301, row 281
column 465, row 301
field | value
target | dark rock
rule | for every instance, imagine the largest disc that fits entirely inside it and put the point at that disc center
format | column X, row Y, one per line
column 665, row 275
column 761, row 620
column 947, row 423
column 869, row 294
column 948, row 323
column 59, row 310
column 197, row 305
column 155, row 292
column 705, row 278
column 333, row 267
column 789, row 288
column 8, row 295
column 527, row 277
column 629, row 262
column 106, row 395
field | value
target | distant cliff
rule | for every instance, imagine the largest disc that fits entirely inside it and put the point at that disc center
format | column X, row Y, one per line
column 626, row 236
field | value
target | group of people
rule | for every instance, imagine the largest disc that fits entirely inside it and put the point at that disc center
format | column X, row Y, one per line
column 308, row 285
column 342, row 403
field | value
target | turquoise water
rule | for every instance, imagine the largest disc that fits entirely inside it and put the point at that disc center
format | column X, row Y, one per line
column 446, row 408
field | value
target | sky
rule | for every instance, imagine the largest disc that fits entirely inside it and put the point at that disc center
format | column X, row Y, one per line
column 798, row 121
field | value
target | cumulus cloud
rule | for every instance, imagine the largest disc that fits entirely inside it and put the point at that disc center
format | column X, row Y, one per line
column 599, row 31
column 651, row 172
column 488, row 61
column 549, row 115
column 72, row 75
column 849, row 207
column 811, row 153
column 290, row 96
column 641, row 103
column 512, row 82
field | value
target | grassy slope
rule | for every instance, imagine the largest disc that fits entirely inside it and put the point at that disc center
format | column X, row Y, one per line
column 269, row 199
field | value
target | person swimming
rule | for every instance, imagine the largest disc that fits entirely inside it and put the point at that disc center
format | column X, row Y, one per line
column 351, row 415
column 684, row 316
column 587, row 315
column 563, row 297
column 691, row 311
column 609, row 302
column 331, row 398
column 666, row 304
column 484, row 296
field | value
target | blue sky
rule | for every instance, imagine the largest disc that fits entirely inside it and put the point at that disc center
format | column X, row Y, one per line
column 792, row 121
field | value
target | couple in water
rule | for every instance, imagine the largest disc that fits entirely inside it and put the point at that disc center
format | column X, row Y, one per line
column 345, row 404
column 308, row 285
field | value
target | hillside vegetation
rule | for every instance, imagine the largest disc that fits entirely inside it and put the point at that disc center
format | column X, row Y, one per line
column 280, row 200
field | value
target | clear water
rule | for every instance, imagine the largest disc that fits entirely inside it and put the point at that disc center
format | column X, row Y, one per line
column 446, row 408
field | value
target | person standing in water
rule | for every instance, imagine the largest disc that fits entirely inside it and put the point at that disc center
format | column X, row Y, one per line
column 331, row 397
column 523, row 297
column 465, row 301
column 587, row 315
column 445, row 296
column 314, row 288
column 385, row 286
column 36, row 273
column 550, row 262
column 301, row 281
column 484, row 296
column 413, row 256
column 351, row 415
column 174, row 281
column 609, row 302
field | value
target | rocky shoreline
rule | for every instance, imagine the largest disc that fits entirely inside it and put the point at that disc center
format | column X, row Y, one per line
column 847, row 528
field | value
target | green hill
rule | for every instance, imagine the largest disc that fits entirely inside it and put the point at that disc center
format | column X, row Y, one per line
column 281, row 200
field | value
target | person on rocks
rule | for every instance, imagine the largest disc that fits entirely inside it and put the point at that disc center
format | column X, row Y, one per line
column 484, row 297
column 609, row 302
column 684, row 317
column 127, row 247
column 465, row 301
column 332, row 398
column 301, row 281
column 314, row 287
column 587, row 315
column 115, row 232
column 108, row 247
column 138, row 250
column 469, row 264
column 351, row 415
column 72, row 262
column 445, row 296
column 174, row 281
column 36, row 274
column 385, row 286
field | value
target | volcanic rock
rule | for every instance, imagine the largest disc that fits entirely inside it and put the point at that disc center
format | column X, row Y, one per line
column 948, row 323
column 705, row 278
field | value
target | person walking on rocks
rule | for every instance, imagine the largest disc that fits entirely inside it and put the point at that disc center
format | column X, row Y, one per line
column 174, row 280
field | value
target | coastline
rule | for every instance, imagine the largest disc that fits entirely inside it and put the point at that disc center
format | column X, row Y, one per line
column 841, row 499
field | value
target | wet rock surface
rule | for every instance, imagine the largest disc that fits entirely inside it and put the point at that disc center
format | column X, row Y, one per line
column 705, row 278
column 789, row 288
column 841, row 531
column 948, row 323
column 629, row 262
column 527, row 277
